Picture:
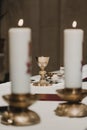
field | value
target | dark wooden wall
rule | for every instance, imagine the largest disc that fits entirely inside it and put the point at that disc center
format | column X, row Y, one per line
column 47, row 19
column 74, row 10
column 43, row 17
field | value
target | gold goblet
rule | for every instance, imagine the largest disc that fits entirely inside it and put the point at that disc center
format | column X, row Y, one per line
column 42, row 63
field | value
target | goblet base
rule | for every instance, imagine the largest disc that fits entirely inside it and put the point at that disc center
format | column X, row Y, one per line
column 41, row 84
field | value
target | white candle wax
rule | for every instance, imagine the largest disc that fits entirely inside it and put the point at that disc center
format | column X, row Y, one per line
column 19, row 39
column 73, row 39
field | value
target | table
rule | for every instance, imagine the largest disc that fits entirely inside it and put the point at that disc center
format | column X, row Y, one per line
column 47, row 89
column 45, row 110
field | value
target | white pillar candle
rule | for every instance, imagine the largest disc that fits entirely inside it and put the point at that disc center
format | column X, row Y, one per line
column 73, row 39
column 19, row 40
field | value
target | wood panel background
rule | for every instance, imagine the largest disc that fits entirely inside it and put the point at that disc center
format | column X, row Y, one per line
column 47, row 19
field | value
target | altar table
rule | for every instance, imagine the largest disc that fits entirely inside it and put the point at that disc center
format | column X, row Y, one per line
column 46, row 111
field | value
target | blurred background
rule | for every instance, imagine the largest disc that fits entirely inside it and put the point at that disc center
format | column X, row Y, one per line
column 47, row 19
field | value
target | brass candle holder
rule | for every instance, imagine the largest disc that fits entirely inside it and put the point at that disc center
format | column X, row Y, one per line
column 42, row 63
column 18, row 113
column 72, row 107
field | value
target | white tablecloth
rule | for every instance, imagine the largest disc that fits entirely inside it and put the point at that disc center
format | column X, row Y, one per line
column 47, row 89
column 45, row 109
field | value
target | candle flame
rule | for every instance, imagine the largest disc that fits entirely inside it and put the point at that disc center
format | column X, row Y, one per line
column 74, row 24
column 20, row 22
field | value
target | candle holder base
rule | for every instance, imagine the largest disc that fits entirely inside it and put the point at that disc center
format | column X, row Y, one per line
column 71, row 110
column 18, row 114
column 41, row 84
column 23, row 118
column 72, row 107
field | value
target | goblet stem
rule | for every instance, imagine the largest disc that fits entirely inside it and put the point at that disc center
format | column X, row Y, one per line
column 42, row 79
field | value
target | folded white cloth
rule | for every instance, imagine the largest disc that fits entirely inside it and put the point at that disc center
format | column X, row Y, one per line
column 84, row 71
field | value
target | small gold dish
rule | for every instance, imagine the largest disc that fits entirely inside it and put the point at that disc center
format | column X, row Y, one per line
column 72, row 95
column 21, row 100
